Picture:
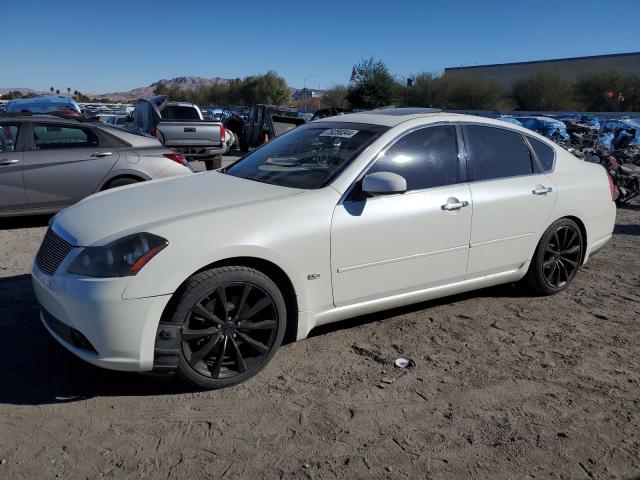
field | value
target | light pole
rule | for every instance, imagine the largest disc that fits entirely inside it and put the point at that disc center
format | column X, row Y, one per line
column 305, row 89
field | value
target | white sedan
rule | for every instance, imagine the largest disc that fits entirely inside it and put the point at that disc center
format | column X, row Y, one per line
column 207, row 274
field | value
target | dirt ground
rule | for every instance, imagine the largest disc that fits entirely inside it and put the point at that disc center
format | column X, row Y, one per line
column 504, row 386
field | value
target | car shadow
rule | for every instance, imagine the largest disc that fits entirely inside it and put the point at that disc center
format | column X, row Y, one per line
column 36, row 370
column 508, row 290
column 33, row 221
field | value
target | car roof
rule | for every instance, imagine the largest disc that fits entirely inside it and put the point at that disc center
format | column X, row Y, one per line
column 37, row 117
column 391, row 117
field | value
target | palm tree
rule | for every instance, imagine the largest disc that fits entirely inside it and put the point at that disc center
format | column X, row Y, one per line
column 68, row 91
column 51, row 90
column 57, row 91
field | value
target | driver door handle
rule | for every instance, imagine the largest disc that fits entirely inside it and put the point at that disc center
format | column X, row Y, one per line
column 101, row 154
column 542, row 190
column 8, row 162
column 454, row 206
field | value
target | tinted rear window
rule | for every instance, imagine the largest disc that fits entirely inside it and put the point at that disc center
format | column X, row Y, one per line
column 545, row 154
column 496, row 153
column 176, row 112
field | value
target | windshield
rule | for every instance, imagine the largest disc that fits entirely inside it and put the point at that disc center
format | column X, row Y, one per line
column 309, row 156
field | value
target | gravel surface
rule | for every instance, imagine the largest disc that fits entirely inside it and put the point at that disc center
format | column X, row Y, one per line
column 505, row 385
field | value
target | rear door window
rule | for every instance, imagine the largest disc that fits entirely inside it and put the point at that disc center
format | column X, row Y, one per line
column 496, row 153
column 426, row 158
column 8, row 137
column 50, row 137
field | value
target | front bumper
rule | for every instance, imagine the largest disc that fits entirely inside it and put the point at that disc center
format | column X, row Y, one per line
column 120, row 332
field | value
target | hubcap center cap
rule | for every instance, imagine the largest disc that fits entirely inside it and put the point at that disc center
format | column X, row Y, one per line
column 228, row 328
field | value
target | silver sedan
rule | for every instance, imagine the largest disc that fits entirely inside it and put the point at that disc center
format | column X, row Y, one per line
column 48, row 163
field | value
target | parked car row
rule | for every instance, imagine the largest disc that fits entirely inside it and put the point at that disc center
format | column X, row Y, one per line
column 48, row 163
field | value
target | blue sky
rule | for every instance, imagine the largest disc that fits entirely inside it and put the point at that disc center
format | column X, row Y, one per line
column 105, row 46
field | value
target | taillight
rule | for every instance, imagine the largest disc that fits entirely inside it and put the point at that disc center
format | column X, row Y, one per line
column 222, row 133
column 612, row 187
column 176, row 157
column 153, row 132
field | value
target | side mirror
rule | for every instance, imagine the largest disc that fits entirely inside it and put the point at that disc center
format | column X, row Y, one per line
column 384, row 183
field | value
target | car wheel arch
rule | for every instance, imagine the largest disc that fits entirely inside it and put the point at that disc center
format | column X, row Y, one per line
column 139, row 176
column 581, row 226
column 268, row 268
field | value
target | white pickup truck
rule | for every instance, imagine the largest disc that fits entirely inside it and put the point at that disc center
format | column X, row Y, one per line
column 181, row 127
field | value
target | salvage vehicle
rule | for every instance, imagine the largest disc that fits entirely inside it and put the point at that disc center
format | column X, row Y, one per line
column 337, row 218
column 262, row 121
column 622, row 162
column 48, row 163
column 44, row 104
column 181, row 127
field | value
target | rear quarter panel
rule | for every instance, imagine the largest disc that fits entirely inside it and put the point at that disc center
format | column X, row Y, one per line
column 583, row 192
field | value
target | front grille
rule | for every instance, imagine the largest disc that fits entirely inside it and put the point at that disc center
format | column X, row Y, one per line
column 65, row 332
column 53, row 251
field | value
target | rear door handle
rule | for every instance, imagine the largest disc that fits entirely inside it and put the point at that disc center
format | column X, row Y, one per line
column 101, row 154
column 542, row 190
column 8, row 162
column 454, row 206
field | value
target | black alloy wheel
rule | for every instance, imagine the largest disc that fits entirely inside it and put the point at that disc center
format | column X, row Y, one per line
column 562, row 256
column 233, row 320
column 557, row 258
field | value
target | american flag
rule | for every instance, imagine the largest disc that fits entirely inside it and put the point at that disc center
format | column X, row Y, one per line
column 355, row 80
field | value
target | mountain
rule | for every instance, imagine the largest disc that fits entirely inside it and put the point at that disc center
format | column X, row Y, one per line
column 186, row 83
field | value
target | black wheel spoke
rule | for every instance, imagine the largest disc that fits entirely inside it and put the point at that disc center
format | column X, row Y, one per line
column 258, row 307
column 239, row 360
column 263, row 325
column 260, row 347
column 243, row 300
column 222, row 295
column 200, row 354
column 548, row 263
column 571, row 250
column 218, row 364
column 188, row 335
column 566, row 260
column 554, row 267
column 200, row 311
column 571, row 237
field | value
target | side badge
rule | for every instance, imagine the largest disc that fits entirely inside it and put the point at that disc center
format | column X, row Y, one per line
column 313, row 276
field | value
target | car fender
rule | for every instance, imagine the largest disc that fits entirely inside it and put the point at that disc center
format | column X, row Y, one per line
column 165, row 276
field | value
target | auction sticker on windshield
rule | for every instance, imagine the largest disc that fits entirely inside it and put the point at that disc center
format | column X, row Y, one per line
column 339, row 132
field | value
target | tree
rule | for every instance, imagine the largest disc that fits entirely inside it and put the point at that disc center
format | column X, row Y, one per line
column 58, row 91
column 68, row 91
column 600, row 92
column 546, row 90
column 423, row 92
column 269, row 88
column 335, row 96
column 463, row 92
column 51, row 90
column 376, row 87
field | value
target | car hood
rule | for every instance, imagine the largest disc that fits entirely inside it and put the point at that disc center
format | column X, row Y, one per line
column 109, row 215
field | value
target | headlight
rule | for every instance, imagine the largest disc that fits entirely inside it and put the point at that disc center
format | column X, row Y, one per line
column 120, row 258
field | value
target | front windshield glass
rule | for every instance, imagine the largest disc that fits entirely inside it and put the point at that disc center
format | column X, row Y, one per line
column 309, row 156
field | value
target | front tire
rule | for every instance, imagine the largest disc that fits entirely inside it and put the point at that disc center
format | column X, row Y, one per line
column 233, row 320
column 557, row 258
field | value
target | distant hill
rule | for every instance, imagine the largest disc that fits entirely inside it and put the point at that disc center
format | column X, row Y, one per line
column 19, row 89
column 186, row 83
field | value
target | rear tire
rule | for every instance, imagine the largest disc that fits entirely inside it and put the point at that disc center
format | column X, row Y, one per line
column 213, row 163
column 556, row 259
column 233, row 320
column 121, row 182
